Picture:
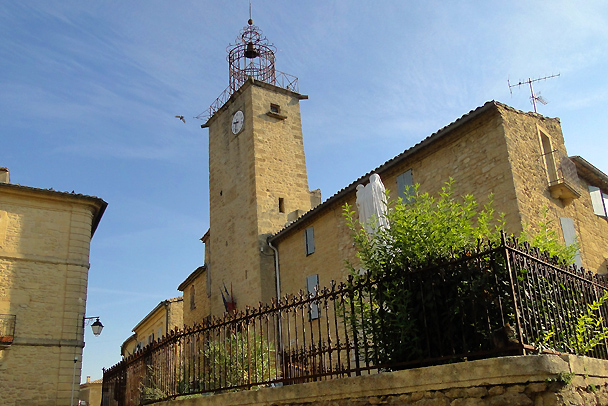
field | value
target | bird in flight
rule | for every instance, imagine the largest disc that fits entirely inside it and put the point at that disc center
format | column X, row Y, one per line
column 181, row 118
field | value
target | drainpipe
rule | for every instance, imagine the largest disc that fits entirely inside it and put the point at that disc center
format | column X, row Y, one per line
column 166, row 319
column 276, row 269
column 279, row 322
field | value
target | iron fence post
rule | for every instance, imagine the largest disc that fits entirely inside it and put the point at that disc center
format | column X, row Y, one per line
column 505, row 250
column 351, row 293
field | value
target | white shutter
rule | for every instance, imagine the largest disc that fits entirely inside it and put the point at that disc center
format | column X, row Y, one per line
column 570, row 237
column 597, row 200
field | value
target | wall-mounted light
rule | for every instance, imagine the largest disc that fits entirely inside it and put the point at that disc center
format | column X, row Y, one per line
column 96, row 326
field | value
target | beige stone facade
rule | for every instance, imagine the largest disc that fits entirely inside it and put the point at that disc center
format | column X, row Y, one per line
column 257, row 179
column 44, row 263
column 269, row 236
column 196, row 297
column 492, row 150
column 165, row 317
column 258, row 189
column 90, row 392
column 519, row 158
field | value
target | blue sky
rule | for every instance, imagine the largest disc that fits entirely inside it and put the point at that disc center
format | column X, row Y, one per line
column 89, row 91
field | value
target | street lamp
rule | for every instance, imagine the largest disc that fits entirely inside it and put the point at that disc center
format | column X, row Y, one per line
column 96, row 326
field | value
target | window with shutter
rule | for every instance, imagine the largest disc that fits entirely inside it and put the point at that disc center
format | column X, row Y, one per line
column 312, row 283
column 309, row 239
column 597, row 200
column 547, row 152
column 403, row 181
column 570, row 237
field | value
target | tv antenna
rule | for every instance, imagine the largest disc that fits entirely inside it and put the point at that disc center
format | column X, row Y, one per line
column 534, row 97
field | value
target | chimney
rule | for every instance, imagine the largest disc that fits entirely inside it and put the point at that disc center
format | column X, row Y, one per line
column 4, row 175
column 88, row 379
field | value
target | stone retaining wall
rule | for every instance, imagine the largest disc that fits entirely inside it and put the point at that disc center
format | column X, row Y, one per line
column 535, row 380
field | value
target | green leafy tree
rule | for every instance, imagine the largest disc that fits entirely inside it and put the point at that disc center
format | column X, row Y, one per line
column 423, row 230
column 426, row 231
column 240, row 358
column 588, row 331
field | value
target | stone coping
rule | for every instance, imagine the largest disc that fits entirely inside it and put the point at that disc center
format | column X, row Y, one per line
column 487, row 372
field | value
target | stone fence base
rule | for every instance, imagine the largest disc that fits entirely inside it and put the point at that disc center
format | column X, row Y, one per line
column 532, row 380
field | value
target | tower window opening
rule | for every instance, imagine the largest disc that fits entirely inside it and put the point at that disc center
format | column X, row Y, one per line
column 275, row 108
column 281, row 205
column 548, row 158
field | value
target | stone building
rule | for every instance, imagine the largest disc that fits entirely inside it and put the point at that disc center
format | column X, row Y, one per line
column 270, row 235
column 45, row 238
column 166, row 316
column 90, row 392
column 518, row 157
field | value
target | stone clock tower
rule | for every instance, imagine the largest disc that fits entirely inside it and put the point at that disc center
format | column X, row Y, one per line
column 257, row 172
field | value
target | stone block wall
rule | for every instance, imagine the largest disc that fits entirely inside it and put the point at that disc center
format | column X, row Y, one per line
column 474, row 155
column 44, row 254
column 531, row 178
column 201, row 310
column 256, row 178
column 497, row 152
column 175, row 314
column 166, row 316
column 532, row 380
column 592, row 231
column 333, row 245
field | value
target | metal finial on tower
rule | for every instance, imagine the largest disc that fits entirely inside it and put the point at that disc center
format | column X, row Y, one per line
column 535, row 97
column 250, row 21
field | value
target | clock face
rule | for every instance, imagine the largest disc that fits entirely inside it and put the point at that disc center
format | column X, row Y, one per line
column 237, row 122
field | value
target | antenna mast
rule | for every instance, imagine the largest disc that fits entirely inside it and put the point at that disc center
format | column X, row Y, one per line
column 534, row 97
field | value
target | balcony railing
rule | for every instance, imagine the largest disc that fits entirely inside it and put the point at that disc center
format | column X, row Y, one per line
column 565, row 186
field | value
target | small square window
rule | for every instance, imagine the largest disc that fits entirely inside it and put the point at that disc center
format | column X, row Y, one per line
column 275, row 108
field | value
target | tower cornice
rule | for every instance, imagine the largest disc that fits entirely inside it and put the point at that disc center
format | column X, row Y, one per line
column 252, row 82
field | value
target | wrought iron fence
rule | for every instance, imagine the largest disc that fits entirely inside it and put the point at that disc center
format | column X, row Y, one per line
column 501, row 300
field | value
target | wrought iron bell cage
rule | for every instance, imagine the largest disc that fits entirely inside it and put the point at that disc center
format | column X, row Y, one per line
column 251, row 56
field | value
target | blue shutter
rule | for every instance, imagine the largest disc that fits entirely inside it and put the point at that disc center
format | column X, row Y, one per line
column 312, row 283
column 309, row 238
column 403, row 180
